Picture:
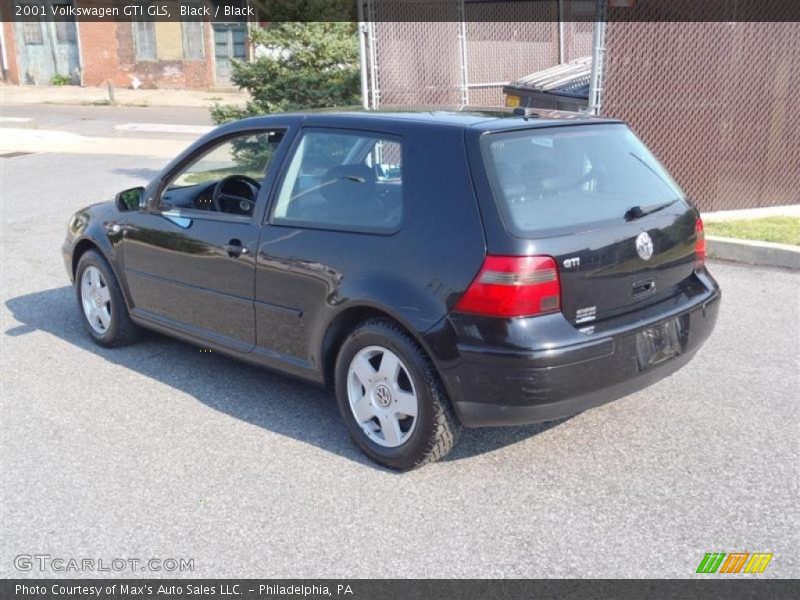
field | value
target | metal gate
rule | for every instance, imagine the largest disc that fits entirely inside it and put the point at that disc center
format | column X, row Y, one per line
column 462, row 59
column 47, row 48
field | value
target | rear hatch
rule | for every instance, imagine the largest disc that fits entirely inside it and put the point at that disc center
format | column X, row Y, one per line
column 594, row 198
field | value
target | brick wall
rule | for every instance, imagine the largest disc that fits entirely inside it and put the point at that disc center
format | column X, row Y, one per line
column 107, row 53
column 10, row 47
column 11, row 52
column 99, row 53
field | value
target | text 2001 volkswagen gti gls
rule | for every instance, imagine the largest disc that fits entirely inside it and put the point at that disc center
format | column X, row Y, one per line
column 434, row 269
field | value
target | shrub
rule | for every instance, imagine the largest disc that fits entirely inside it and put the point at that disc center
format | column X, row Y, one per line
column 298, row 65
column 60, row 80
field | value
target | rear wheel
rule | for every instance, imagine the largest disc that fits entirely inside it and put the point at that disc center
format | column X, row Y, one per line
column 391, row 398
column 101, row 302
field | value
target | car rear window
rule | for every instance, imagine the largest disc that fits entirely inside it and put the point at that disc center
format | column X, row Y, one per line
column 572, row 178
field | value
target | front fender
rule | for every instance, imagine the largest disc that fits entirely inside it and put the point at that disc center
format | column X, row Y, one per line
column 99, row 226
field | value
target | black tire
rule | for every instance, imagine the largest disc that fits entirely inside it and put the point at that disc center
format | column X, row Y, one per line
column 121, row 330
column 437, row 428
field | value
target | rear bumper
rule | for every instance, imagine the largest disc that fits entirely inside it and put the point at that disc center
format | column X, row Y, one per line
column 568, row 373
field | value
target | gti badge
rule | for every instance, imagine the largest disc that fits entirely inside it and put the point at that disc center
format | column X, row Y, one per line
column 644, row 246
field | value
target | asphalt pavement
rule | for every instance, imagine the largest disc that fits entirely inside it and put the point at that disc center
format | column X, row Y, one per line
column 161, row 451
column 104, row 120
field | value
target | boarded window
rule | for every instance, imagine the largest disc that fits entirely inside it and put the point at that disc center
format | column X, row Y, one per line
column 144, row 40
column 65, row 25
column 193, row 46
column 32, row 33
column 65, row 32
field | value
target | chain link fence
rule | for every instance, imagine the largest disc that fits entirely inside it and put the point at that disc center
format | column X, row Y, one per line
column 713, row 100
column 716, row 102
column 462, row 59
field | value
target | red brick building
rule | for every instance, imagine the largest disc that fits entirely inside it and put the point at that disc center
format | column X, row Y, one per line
column 148, row 54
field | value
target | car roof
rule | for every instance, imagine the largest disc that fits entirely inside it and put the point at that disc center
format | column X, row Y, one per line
column 489, row 120
column 477, row 118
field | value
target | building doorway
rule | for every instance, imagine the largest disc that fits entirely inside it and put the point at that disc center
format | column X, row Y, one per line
column 230, row 42
column 48, row 49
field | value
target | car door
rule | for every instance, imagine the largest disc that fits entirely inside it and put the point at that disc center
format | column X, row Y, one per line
column 335, row 210
column 190, row 258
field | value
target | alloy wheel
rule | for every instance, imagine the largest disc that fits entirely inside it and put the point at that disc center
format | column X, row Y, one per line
column 96, row 299
column 382, row 396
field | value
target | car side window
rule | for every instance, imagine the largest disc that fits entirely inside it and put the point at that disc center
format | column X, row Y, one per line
column 350, row 181
column 226, row 178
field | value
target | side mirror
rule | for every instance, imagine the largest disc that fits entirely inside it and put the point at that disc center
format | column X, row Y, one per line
column 132, row 199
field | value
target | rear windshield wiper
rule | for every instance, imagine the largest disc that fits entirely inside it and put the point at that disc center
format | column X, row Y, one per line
column 637, row 212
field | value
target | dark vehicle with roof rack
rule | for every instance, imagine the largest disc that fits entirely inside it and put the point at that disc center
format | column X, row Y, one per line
column 435, row 270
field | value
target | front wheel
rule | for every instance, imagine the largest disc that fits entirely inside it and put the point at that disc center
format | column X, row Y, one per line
column 391, row 398
column 101, row 302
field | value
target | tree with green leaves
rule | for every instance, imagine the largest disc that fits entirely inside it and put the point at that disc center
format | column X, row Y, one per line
column 298, row 65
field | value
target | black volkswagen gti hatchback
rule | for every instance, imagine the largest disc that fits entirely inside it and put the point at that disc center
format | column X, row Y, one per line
column 436, row 270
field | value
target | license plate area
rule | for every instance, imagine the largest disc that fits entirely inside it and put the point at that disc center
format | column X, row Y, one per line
column 661, row 342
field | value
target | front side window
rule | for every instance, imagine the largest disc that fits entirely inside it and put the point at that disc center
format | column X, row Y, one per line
column 344, row 181
column 226, row 178
column 566, row 179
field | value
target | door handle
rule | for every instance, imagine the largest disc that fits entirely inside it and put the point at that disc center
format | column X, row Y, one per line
column 235, row 249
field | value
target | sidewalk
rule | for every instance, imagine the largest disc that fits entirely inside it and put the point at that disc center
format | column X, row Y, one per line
column 72, row 94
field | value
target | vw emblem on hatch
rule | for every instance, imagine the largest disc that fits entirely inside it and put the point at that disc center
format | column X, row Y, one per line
column 644, row 246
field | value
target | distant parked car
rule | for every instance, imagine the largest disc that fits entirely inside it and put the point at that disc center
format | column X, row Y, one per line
column 433, row 269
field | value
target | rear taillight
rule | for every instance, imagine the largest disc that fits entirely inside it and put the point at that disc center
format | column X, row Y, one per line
column 513, row 286
column 699, row 244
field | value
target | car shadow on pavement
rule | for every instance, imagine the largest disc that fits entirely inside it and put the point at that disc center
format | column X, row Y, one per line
column 255, row 395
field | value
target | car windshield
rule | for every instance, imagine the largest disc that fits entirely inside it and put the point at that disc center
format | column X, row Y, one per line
column 568, row 179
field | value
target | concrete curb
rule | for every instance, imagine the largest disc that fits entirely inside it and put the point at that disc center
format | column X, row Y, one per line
column 753, row 252
column 14, row 95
